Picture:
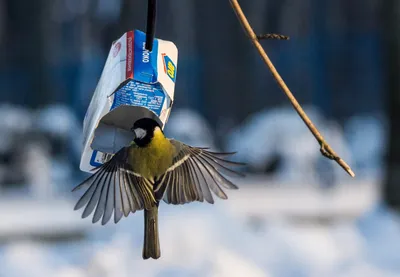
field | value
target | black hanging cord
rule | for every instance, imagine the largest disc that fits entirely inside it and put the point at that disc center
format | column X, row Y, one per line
column 151, row 23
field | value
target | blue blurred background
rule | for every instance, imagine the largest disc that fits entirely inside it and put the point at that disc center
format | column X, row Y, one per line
column 296, row 214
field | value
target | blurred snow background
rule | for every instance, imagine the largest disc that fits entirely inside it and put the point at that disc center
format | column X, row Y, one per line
column 201, row 240
column 294, row 215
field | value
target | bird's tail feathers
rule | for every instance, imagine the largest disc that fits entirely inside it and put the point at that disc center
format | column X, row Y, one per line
column 151, row 247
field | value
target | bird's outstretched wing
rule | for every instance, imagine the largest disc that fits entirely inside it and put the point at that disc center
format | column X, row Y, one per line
column 115, row 187
column 195, row 171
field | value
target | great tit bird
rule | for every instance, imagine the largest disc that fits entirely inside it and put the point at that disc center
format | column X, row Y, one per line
column 154, row 168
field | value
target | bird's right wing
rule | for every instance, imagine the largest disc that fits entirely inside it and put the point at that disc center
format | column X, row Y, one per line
column 115, row 187
column 194, row 172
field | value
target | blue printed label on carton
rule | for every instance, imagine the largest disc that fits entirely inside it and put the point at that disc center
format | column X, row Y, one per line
column 95, row 159
column 135, row 93
column 144, row 61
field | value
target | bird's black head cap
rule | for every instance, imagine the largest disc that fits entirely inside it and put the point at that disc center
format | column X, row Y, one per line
column 144, row 131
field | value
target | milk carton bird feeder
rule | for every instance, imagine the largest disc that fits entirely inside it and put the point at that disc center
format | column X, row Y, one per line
column 138, row 80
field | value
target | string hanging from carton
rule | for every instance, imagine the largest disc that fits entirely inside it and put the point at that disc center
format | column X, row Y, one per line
column 151, row 23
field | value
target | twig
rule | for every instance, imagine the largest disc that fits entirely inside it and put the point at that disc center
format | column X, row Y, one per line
column 325, row 149
column 272, row 36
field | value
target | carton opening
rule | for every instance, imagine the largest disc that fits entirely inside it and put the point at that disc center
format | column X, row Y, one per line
column 114, row 129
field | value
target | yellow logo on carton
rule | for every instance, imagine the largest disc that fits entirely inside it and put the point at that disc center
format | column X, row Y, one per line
column 169, row 67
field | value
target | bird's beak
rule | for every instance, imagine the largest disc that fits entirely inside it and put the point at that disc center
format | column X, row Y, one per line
column 134, row 133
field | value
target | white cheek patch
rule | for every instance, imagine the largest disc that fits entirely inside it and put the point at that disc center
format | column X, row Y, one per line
column 140, row 133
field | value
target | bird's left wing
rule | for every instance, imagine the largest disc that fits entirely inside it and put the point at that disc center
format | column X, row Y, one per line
column 195, row 172
column 115, row 187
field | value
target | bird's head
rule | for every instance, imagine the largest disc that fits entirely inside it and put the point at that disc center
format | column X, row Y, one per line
column 143, row 130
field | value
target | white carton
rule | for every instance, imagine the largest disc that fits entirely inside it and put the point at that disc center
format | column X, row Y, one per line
column 135, row 83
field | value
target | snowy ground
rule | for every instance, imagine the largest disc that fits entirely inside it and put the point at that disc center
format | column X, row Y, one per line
column 257, row 232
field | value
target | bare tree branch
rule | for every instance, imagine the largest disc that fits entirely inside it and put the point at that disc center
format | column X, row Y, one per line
column 325, row 149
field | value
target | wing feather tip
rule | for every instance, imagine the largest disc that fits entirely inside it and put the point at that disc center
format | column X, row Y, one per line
column 84, row 215
column 233, row 163
column 75, row 189
column 210, row 201
column 116, row 220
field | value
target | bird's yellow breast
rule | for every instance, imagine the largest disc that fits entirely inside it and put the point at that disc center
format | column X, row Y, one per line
column 153, row 160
